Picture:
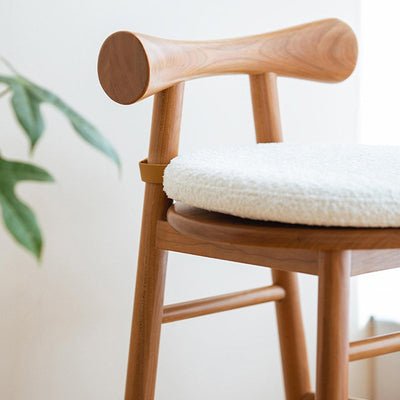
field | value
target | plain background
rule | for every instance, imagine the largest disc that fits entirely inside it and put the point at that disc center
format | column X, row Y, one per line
column 378, row 294
column 64, row 326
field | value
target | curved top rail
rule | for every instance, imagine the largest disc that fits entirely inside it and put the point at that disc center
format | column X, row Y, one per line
column 133, row 66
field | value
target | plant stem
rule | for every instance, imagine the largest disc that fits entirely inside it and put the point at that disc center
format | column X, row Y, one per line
column 4, row 92
column 9, row 65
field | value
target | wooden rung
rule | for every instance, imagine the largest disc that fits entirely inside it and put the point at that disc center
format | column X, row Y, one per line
column 311, row 396
column 374, row 346
column 225, row 302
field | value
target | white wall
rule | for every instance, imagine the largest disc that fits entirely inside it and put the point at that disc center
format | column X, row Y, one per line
column 379, row 124
column 64, row 326
column 385, row 369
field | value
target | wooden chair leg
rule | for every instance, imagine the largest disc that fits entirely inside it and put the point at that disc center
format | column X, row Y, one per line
column 148, row 307
column 291, row 336
column 333, row 336
column 152, row 263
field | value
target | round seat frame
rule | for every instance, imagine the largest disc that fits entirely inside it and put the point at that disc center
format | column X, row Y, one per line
column 207, row 225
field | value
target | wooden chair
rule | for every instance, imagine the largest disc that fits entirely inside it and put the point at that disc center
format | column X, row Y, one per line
column 134, row 66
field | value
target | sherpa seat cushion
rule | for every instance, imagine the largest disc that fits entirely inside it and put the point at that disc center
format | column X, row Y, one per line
column 314, row 184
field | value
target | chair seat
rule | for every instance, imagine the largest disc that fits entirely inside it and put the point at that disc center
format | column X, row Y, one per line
column 311, row 184
column 211, row 226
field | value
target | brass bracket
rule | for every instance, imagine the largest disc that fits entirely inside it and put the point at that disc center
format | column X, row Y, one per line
column 151, row 173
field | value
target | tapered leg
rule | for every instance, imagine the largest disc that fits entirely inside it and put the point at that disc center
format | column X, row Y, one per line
column 291, row 336
column 152, row 263
column 148, row 308
column 333, row 334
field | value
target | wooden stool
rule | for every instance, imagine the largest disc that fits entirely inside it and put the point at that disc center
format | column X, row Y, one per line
column 134, row 66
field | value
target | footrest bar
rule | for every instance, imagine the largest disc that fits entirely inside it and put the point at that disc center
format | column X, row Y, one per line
column 311, row 396
column 225, row 302
column 374, row 346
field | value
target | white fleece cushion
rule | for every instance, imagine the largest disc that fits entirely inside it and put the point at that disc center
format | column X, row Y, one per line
column 314, row 184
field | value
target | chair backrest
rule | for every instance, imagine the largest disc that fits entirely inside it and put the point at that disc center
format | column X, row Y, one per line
column 133, row 66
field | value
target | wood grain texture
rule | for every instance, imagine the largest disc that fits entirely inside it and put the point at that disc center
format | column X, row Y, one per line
column 133, row 66
column 224, row 302
column 296, row 260
column 265, row 101
column 366, row 261
column 333, row 326
column 203, row 224
column 374, row 346
column 296, row 375
column 291, row 337
column 305, row 261
column 150, row 281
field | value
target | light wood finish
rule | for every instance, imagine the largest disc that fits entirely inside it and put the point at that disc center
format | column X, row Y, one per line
column 264, row 97
column 291, row 337
column 133, row 66
column 264, row 94
column 375, row 346
column 203, row 224
column 333, row 332
column 365, row 261
column 150, row 281
column 296, row 260
column 224, row 302
column 305, row 261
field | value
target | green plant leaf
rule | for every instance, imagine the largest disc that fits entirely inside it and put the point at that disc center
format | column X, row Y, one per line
column 27, row 110
column 84, row 128
column 18, row 218
column 8, row 80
